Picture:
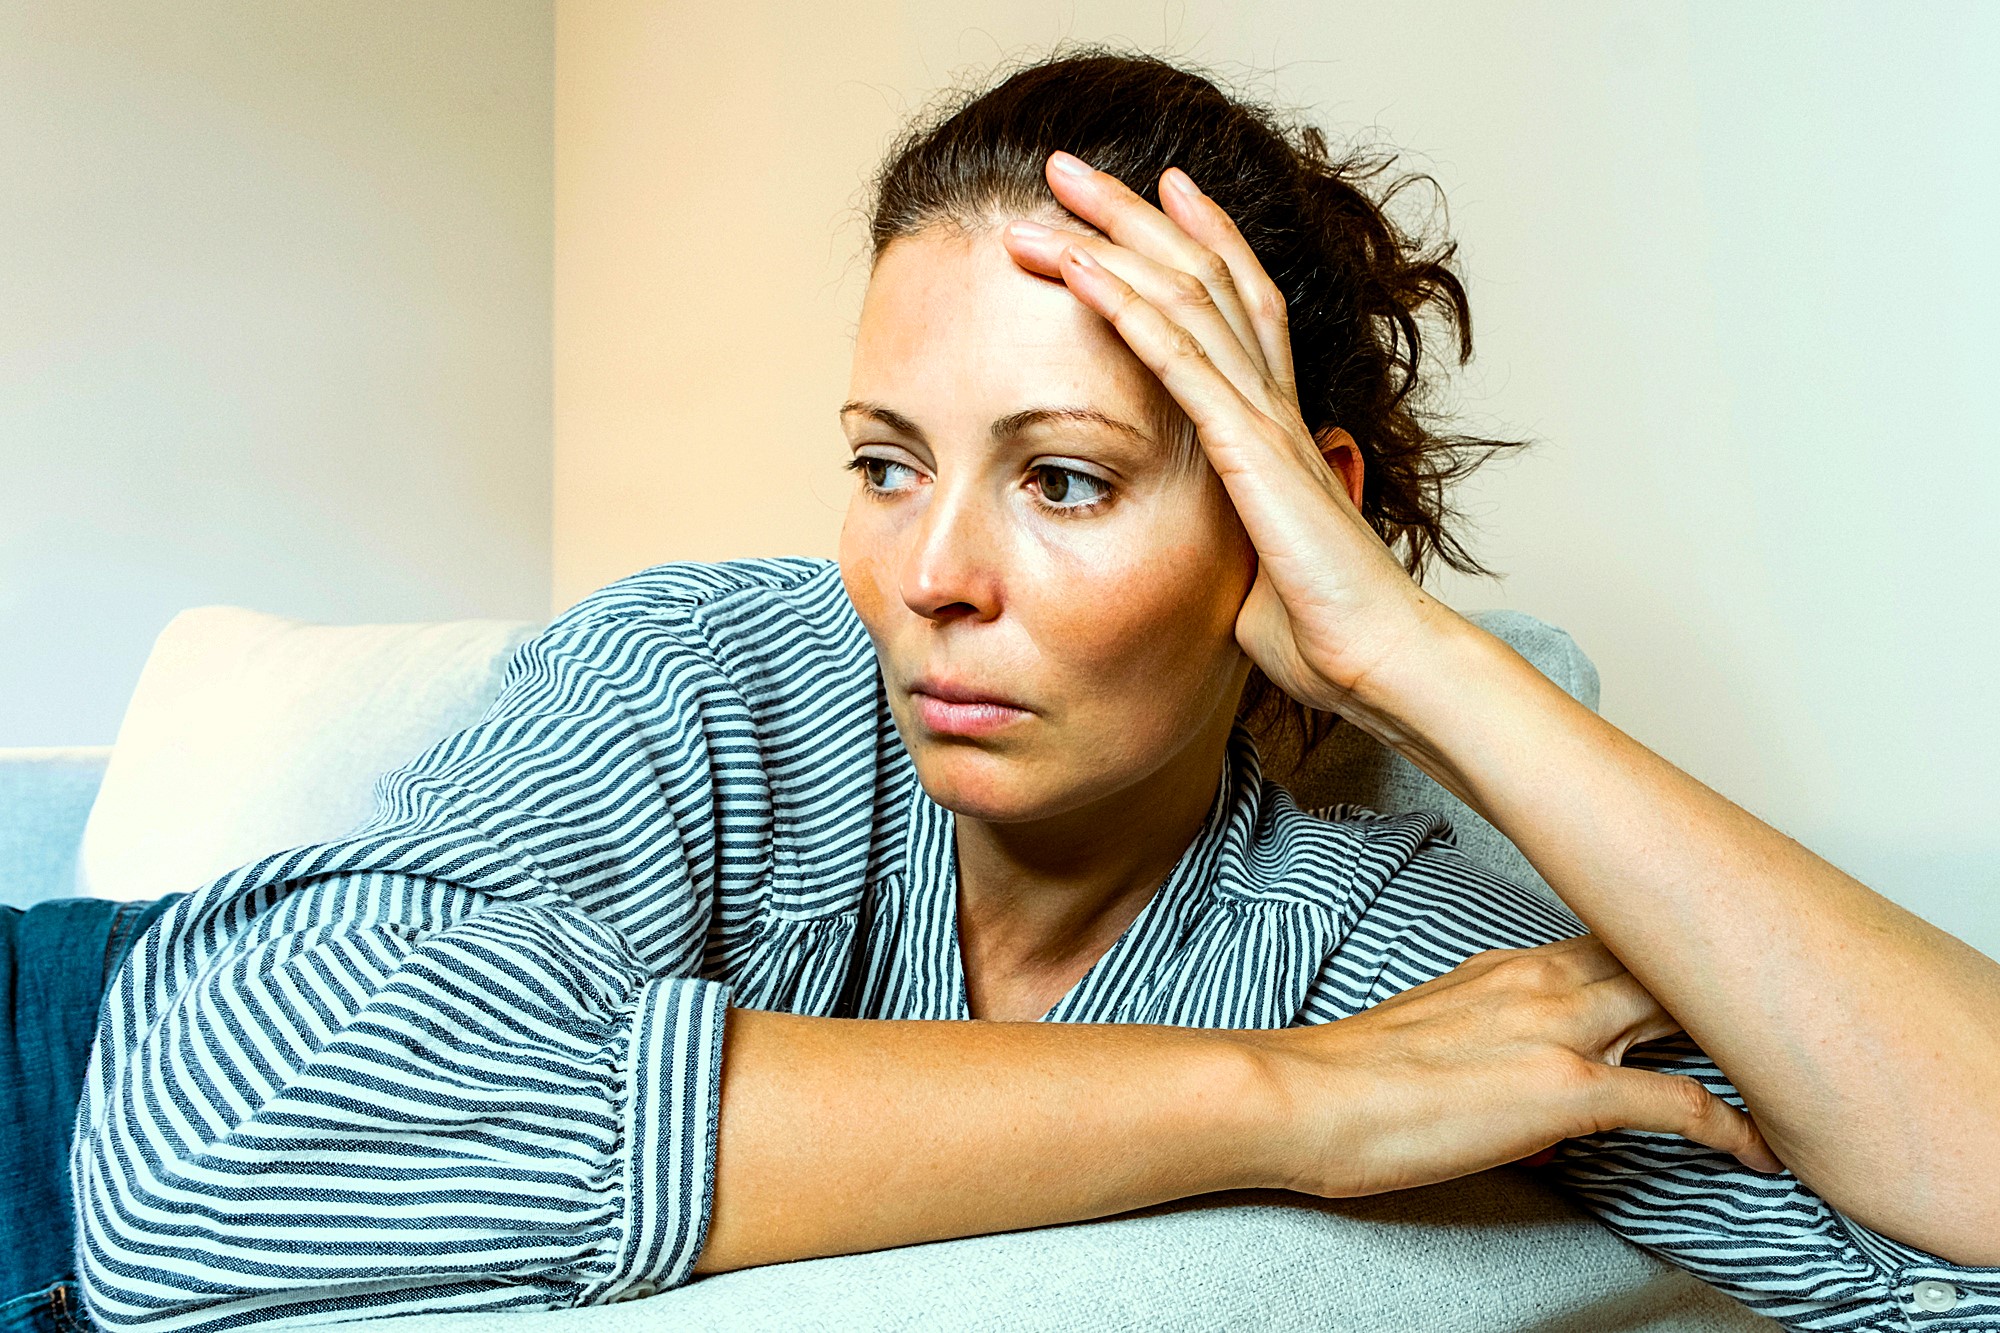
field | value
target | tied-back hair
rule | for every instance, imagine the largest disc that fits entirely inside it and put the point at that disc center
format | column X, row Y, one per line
column 1359, row 289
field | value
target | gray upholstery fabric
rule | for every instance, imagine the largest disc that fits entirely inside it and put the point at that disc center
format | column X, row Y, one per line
column 1494, row 1253
column 1469, row 1256
column 1348, row 766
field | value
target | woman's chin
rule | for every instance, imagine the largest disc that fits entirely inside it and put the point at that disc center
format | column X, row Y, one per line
column 1002, row 790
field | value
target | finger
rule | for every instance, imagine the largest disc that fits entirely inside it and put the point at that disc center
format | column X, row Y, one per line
column 1596, row 1007
column 1208, row 223
column 1558, row 966
column 1108, row 204
column 1623, row 1014
column 1180, row 295
column 1270, row 469
column 1220, row 413
column 1628, row 1014
column 1586, row 951
column 1677, row 1104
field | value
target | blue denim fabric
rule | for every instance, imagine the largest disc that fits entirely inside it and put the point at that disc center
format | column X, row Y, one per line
column 56, row 961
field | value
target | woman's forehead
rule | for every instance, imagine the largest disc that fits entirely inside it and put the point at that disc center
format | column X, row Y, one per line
column 948, row 313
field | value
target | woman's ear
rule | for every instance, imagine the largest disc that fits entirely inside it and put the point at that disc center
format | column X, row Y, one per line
column 1343, row 455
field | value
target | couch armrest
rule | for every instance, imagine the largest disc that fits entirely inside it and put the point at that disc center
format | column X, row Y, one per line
column 45, row 800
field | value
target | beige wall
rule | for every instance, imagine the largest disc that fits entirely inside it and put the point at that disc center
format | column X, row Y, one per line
column 708, row 166
column 1730, row 266
column 274, row 325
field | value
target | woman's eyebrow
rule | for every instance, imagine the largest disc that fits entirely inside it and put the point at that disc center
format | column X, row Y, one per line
column 1016, row 422
column 889, row 417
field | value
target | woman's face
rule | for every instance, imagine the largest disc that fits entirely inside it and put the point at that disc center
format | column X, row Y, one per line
column 1051, row 586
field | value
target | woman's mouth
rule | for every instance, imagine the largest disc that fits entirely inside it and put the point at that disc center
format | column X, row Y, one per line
column 946, row 709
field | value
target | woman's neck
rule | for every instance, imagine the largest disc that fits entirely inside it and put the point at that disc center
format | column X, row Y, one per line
column 1040, row 902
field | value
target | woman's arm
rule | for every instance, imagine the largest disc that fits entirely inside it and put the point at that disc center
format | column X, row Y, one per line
column 1864, row 1040
column 837, row 1135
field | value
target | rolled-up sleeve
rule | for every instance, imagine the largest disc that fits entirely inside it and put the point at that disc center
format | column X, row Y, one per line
column 465, row 1059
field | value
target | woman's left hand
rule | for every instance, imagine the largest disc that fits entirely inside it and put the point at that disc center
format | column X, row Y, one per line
column 1331, row 603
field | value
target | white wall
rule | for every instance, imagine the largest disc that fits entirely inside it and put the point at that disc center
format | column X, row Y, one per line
column 274, row 325
column 1731, row 266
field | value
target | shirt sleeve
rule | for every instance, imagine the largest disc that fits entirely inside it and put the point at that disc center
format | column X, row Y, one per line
column 1767, row 1240
column 464, row 1059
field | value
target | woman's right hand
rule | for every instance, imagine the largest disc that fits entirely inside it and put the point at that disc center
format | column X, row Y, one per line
column 1509, row 1053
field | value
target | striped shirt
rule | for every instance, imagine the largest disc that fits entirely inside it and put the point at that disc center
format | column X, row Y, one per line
column 467, row 1058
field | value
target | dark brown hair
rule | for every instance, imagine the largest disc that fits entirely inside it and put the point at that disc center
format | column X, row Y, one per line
column 1359, row 288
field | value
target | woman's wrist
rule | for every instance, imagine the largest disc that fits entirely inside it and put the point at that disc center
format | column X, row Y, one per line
column 1298, row 1129
column 1239, row 1130
column 1443, row 673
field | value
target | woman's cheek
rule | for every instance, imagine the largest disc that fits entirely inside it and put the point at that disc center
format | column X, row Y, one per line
column 1139, row 622
column 868, row 563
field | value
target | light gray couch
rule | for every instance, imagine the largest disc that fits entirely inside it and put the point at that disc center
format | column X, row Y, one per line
column 248, row 733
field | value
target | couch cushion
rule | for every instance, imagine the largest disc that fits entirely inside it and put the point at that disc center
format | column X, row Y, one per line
column 250, row 733
column 1492, row 1253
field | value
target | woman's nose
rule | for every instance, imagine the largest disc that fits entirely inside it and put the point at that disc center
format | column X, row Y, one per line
column 949, row 568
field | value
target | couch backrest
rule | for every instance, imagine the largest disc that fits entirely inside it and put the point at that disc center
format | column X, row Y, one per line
column 1350, row 768
column 250, row 733
column 45, row 797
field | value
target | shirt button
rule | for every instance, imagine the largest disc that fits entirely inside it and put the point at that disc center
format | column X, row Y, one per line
column 1935, row 1296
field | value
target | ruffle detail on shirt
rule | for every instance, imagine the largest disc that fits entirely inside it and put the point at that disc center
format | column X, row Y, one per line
column 794, row 965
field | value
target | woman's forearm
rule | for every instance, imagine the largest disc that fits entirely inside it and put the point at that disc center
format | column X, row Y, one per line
column 837, row 1136
column 1866, row 1041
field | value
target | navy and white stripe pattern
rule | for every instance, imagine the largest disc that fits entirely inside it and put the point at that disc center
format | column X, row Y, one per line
column 468, row 1058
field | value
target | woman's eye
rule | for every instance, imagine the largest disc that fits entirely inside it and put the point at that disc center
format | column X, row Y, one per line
column 1065, row 488
column 883, row 474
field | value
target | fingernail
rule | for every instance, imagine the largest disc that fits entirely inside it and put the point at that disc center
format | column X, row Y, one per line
column 1070, row 165
column 1078, row 256
column 1029, row 231
column 1182, row 182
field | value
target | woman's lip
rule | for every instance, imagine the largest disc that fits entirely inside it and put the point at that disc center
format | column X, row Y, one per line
column 959, row 694
column 947, row 711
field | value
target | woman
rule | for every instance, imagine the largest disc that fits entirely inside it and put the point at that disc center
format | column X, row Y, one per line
column 556, row 1027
